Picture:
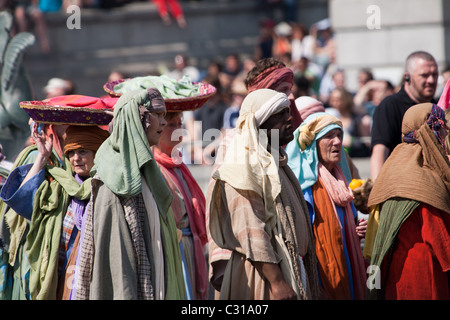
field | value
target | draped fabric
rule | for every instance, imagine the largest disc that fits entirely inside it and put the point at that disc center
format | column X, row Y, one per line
column 43, row 239
column 444, row 99
column 336, row 187
column 41, row 242
column 329, row 246
column 81, row 101
column 49, row 208
column 127, row 154
column 338, row 247
column 247, row 214
column 247, row 164
column 13, row 231
column 417, row 171
column 237, row 223
column 414, row 182
column 419, row 264
column 194, row 202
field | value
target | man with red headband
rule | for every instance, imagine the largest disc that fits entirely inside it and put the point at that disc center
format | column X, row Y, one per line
column 271, row 73
column 268, row 73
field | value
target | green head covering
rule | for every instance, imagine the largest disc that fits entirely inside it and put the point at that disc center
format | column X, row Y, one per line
column 126, row 155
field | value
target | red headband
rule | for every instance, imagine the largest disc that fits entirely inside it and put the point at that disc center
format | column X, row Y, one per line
column 271, row 77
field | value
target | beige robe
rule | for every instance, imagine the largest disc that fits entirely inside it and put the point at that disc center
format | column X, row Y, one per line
column 237, row 223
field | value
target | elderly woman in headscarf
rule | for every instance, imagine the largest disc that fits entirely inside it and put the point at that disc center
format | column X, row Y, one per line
column 130, row 247
column 316, row 156
column 49, row 201
column 257, row 210
column 411, row 256
column 306, row 106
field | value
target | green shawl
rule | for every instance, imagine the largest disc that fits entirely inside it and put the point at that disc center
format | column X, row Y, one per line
column 393, row 213
column 122, row 159
column 43, row 238
column 12, row 230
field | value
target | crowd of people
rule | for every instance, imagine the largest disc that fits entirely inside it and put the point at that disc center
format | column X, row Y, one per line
column 95, row 212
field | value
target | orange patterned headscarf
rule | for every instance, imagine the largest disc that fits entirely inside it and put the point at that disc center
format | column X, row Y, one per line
column 86, row 137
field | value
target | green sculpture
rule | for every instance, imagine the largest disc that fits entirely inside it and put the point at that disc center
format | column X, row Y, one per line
column 14, row 87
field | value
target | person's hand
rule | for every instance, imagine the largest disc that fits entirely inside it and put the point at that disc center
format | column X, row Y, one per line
column 361, row 228
column 43, row 142
column 282, row 291
column 44, row 145
column 279, row 288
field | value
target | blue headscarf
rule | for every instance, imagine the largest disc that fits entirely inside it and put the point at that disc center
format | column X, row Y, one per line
column 304, row 163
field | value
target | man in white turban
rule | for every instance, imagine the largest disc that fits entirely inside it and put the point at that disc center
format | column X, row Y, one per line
column 257, row 210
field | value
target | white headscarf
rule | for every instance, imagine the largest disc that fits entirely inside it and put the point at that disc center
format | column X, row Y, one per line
column 248, row 165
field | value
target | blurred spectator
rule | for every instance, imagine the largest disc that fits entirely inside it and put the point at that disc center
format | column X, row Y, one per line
column 303, row 68
column 265, row 43
column 279, row 10
column 302, row 44
column 27, row 14
column 49, row 5
column 355, row 126
column 164, row 6
column 58, row 87
column 116, row 75
column 101, row 4
column 233, row 64
column 215, row 67
column 369, row 96
column 324, row 44
column 210, row 118
column 302, row 87
column 182, row 67
column 232, row 67
column 330, row 81
column 443, row 78
column 282, row 40
column 364, row 76
column 239, row 91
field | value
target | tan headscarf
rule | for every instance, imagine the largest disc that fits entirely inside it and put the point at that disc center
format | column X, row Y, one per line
column 247, row 164
column 419, row 171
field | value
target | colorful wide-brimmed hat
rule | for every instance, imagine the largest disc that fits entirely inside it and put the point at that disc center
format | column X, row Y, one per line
column 71, row 109
column 181, row 95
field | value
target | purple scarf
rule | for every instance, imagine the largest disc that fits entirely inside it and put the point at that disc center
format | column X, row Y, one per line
column 435, row 121
column 78, row 209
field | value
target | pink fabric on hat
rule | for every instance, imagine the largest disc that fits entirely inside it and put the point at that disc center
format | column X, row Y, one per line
column 444, row 100
column 82, row 101
column 308, row 105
